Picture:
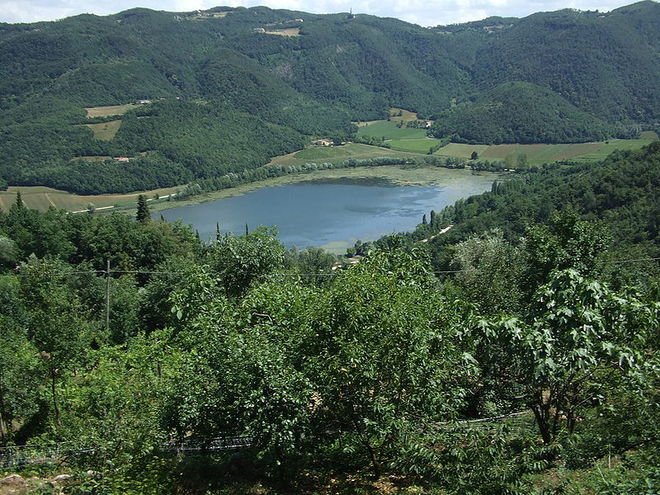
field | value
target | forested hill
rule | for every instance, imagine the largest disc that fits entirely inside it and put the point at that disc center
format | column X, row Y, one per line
column 307, row 75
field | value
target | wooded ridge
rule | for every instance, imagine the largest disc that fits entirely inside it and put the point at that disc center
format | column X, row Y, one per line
column 229, row 88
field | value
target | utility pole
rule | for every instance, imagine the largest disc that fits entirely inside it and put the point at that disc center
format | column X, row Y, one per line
column 107, row 296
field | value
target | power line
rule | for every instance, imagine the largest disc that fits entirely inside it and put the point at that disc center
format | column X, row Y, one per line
column 294, row 274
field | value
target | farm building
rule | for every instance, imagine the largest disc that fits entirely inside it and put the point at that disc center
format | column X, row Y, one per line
column 321, row 142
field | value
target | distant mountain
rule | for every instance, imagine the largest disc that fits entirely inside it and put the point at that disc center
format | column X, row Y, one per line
column 305, row 75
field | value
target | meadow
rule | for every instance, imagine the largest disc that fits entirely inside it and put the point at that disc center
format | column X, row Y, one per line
column 389, row 130
column 284, row 32
column 334, row 154
column 109, row 110
column 538, row 154
column 419, row 145
column 105, row 131
column 416, row 141
column 41, row 198
column 401, row 114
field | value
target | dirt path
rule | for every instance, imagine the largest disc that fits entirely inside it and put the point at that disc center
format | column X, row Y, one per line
column 443, row 231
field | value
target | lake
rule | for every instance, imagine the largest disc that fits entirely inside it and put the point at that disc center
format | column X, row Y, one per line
column 333, row 213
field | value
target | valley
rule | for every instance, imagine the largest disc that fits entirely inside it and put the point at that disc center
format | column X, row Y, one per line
column 272, row 252
column 41, row 198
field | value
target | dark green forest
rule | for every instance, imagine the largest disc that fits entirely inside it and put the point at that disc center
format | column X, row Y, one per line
column 246, row 96
column 520, row 113
column 515, row 354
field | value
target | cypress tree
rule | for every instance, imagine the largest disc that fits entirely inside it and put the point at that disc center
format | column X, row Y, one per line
column 143, row 215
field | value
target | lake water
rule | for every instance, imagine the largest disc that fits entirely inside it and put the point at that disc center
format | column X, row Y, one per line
column 332, row 214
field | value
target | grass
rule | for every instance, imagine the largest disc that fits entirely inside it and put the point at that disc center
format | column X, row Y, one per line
column 105, row 131
column 41, row 198
column 416, row 141
column 109, row 110
column 462, row 150
column 90, row 158
column 285, row 32
column 413, row 145
column 405, row 116
column 618, row 144
column 335, row 154
column 389, row 130
column 538, row 154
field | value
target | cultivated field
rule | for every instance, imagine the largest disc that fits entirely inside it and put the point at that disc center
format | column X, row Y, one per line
column 105, row 131
column 538, row 154
column 420, row 145
column 416, row 141
column 338, row 153
column 619, row 144
column 41, row 198
column 285, row 32
column 100, row 158
column 389, row 130
column 405, row 116
column 109, row 110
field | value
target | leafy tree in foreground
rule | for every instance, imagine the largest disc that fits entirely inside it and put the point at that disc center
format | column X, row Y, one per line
column 386, row 362
column 491, row 272
column 56, row 324
column 241, row 260
column 19, row 377
column 582, row 336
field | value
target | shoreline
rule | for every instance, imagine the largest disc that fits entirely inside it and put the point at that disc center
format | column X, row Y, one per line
column 390, row 174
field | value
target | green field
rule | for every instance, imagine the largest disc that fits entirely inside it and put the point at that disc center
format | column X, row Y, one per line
column 338, row 153
column 107, row 111
column 416, row 141
column 41, row 198
column 420, row 145
column 538, row 154
column 284, row 32
column 100, row 158
column 405, row 116
column 105, row 131
column 618, row 144
column 389, row 130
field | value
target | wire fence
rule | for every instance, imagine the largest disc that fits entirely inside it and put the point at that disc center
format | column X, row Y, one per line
column 18, row 456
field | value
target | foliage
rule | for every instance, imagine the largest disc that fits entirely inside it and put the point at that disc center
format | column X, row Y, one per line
column 519, row 113
column 240, row 261
column 581, row 336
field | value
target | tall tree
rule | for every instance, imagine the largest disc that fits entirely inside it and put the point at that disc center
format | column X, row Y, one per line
column 56, row 321
column 143, row 214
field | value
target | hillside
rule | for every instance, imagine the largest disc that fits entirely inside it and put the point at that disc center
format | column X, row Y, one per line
column 308, row 75
column 519, row 113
